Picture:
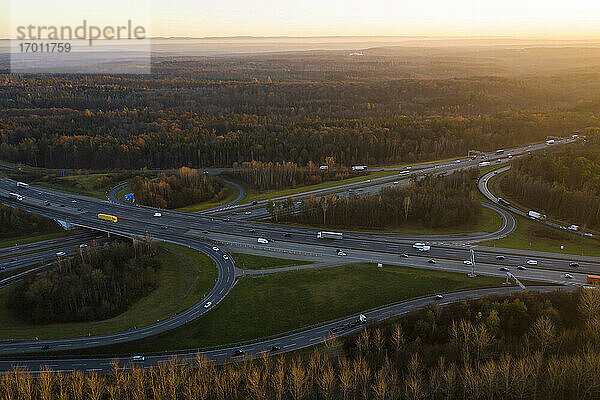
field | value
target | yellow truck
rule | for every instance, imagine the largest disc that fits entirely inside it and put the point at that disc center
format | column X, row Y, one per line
column 107, row 217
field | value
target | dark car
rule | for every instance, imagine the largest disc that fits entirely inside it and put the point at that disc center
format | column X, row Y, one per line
column 574, row 265
column 274, row 348
column 504, row 269
column 254, row 202
column 404, row 255
column 163, row 227
column 251, row 230
column 238, row 353
column 432, row 261
column 287, row 235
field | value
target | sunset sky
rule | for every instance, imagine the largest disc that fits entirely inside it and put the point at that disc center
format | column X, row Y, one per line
column 192, row 18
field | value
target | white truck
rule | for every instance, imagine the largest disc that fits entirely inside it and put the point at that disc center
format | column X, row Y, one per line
column 484, row 163
column 422, row 247
column 23, row 185
column 536, row 215
column 330, row 235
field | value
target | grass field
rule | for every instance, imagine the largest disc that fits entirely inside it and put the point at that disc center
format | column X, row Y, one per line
column 253, row 195
column 274, row 304
column 249, row 261
column 185, row 278
column 78, row 184
column 17, row 241
column 531, row 235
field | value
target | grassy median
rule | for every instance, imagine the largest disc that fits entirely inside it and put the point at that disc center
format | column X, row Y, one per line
column 252, row 262
column 185, row 277
column 273, row 304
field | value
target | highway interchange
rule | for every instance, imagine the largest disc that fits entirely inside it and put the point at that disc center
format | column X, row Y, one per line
column 204, row 231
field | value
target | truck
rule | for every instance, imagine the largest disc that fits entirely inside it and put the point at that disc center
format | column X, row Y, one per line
column 484, row 163
column 500, row 151
column 593, row 279
column 536, row 215
column 360, row 168
column 107, row 217
column 330, row 235
column 23, row 185
column 16, row 196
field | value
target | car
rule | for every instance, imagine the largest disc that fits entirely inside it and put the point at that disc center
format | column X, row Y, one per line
column 205, row 172
column 396, row 183
column 252, row 230
column 341, row 253
column 500, row 258
column 238, row 353
column 157, row 215
column 568, row 276
column 588, row 235
column 431, row 261
column 418, row 245
column 215, row 248
column 254, row 202
column 138, row 358
column 262, row 241
column 227, row 219
column 80, row 209
column 274, row 348
column 504, row 269
column 521, row 268
column 73, row 201
column 205, row 232
column 404, row 255
column 62, row 205
column 574, row 265
column 468, row 262
column 287, row 235
column 457, row 161
column 83, row 246
column 368, row 181
column 225, row 257
column 248, row 213
column 61, row 254
column 532, row 262
column 46, row 202
column 163, row 227
column 207, row 305
column 439, row 297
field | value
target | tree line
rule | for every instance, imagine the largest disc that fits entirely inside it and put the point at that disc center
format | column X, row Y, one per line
column 562, row 184
column 95, row 284
column 433, row 202
column 16, row 222
column 137, row 122
column 268, row 175
column 181, row 189
column 524, row 346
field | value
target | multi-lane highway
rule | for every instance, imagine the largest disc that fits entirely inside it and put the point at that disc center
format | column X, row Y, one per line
column 201, row 232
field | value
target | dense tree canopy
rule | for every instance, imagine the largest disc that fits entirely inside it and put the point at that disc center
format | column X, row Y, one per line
column 16, row 222
column 95, row 285
column 433, row 202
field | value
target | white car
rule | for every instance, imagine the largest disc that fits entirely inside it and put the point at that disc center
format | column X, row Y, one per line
column 215, row 248
column 248, row 212
column 73, row 201
column 262, row 241
column 532, row 262
column 83, row 246
column 418, row 245
column 139, row 358
column 395, row 183
column 61, row 254
column 225, row 257
column 425, row 249
column 457, row 161
column 341, row 253
column 521, row 268
column 568, row 276
column 439, row 297
column 157, row 214
column 467, row 262
column 207, row 305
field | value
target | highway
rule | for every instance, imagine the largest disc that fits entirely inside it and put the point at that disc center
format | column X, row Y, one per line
column 285, row 343
column 202, row 232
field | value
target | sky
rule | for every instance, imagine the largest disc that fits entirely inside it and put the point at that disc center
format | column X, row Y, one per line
column 189, row 18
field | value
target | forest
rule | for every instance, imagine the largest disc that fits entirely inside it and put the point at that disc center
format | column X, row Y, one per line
column 563, row 184
column 96, row 284
column 16, row 222
column 523, row 346
column 187, row 186
column 265, row 176
column 432, row 202
column 275, row 110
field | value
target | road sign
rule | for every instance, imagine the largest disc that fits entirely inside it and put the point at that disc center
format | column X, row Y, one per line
column 130, row 197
